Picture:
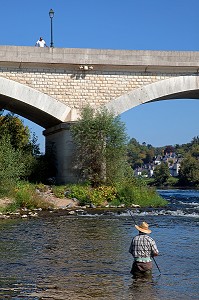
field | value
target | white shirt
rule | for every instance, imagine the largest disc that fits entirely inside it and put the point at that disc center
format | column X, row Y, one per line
column 41, row 43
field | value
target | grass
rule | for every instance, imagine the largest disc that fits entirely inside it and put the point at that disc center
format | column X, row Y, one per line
column 127, row 194
column 141, row 195
column 24, row 195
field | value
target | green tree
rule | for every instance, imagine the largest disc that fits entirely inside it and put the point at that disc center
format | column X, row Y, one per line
column 19, row 135
column 12, row 165
column 161, row 173
column 189, row 171
column 100, row 146
column 13, row 130
column 195, row 151
column 150, row 154
column 12, row 126
column 135, row 154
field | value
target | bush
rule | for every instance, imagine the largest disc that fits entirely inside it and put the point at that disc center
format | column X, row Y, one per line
column 125, row 193
column 140, row 195
column 102, row 195
column 7, row 188
column 172, row 181
column 25, row 196
column 59, row 191
column 12, row 166
column 86, row 194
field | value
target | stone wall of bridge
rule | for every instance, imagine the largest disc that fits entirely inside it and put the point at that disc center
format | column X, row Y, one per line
column 60, row 72
column 75, row 88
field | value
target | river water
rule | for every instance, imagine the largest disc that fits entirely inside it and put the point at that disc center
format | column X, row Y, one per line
column 86, row 256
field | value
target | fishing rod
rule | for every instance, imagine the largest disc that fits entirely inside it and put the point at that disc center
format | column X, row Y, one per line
column 135, row 224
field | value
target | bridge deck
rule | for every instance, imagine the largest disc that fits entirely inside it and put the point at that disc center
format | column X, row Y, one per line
column 21, row 56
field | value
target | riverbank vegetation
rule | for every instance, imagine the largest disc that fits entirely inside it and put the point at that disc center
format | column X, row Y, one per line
column 121, row 195
column 20, row 161
column 23, row 195
column 101, row 160
column 105, row 177
column 103, row 164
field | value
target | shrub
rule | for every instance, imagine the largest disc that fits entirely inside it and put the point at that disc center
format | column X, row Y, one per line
column 125, row 193
column 102, row 195
column 26, row 197
column 100, row 139
column 81, row 192
column 86, row 194
column 12, row 166
column 140, row 195
column 59, row 191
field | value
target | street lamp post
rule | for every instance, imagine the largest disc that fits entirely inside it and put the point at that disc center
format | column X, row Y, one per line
column 51, row 15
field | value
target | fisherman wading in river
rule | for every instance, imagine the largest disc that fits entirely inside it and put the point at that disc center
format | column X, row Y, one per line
column 143, row 248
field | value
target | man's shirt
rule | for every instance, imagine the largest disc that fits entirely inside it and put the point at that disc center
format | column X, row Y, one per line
column 143, row 245
column 41, row 43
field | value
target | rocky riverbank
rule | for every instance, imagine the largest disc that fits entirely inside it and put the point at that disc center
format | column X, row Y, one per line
column 59, row 207
column 56, row 212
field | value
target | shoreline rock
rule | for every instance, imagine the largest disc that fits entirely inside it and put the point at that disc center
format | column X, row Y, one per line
column 56, row 212
column 60, row 206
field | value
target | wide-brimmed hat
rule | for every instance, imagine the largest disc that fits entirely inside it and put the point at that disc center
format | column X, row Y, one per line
column 144, row 227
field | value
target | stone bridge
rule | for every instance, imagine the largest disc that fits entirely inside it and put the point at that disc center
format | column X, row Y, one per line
column 49, row 86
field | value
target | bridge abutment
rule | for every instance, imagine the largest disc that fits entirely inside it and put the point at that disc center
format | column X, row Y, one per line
column 59, row 143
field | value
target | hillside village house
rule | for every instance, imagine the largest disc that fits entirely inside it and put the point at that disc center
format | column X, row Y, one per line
column 171, row 159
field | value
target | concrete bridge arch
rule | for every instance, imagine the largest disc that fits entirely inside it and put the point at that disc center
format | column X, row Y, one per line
column 56, row 116
column 47, row 112
column 32, row 104
column 183, row 87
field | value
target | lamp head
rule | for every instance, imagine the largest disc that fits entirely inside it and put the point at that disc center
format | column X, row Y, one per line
column 51, row 13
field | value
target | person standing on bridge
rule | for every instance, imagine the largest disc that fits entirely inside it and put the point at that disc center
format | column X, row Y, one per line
column 41, row 43
column 143, row 248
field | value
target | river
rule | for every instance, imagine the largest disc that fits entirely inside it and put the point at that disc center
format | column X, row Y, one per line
column 86, row 256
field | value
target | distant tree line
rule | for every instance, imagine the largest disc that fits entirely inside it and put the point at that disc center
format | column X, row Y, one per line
column 141, row 154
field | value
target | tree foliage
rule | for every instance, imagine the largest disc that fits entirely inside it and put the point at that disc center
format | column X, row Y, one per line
column 12, row 126
column 100, row 146
column 188, row 148
column 140, row 154
column 19, row 134
column 11, row 162
column 189, row 170
column 21, row 157
column 161, row 173
column 12, row 166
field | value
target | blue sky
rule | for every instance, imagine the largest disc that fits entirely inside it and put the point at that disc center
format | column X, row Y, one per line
column 116, row 24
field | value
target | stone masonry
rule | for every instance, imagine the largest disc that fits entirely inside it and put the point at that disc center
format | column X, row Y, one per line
column 76, row 88
column 58, row 73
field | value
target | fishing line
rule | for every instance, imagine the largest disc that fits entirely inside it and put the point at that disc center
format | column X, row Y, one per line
column 130, row 212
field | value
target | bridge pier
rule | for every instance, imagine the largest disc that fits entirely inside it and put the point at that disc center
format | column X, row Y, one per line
column 59, row 142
